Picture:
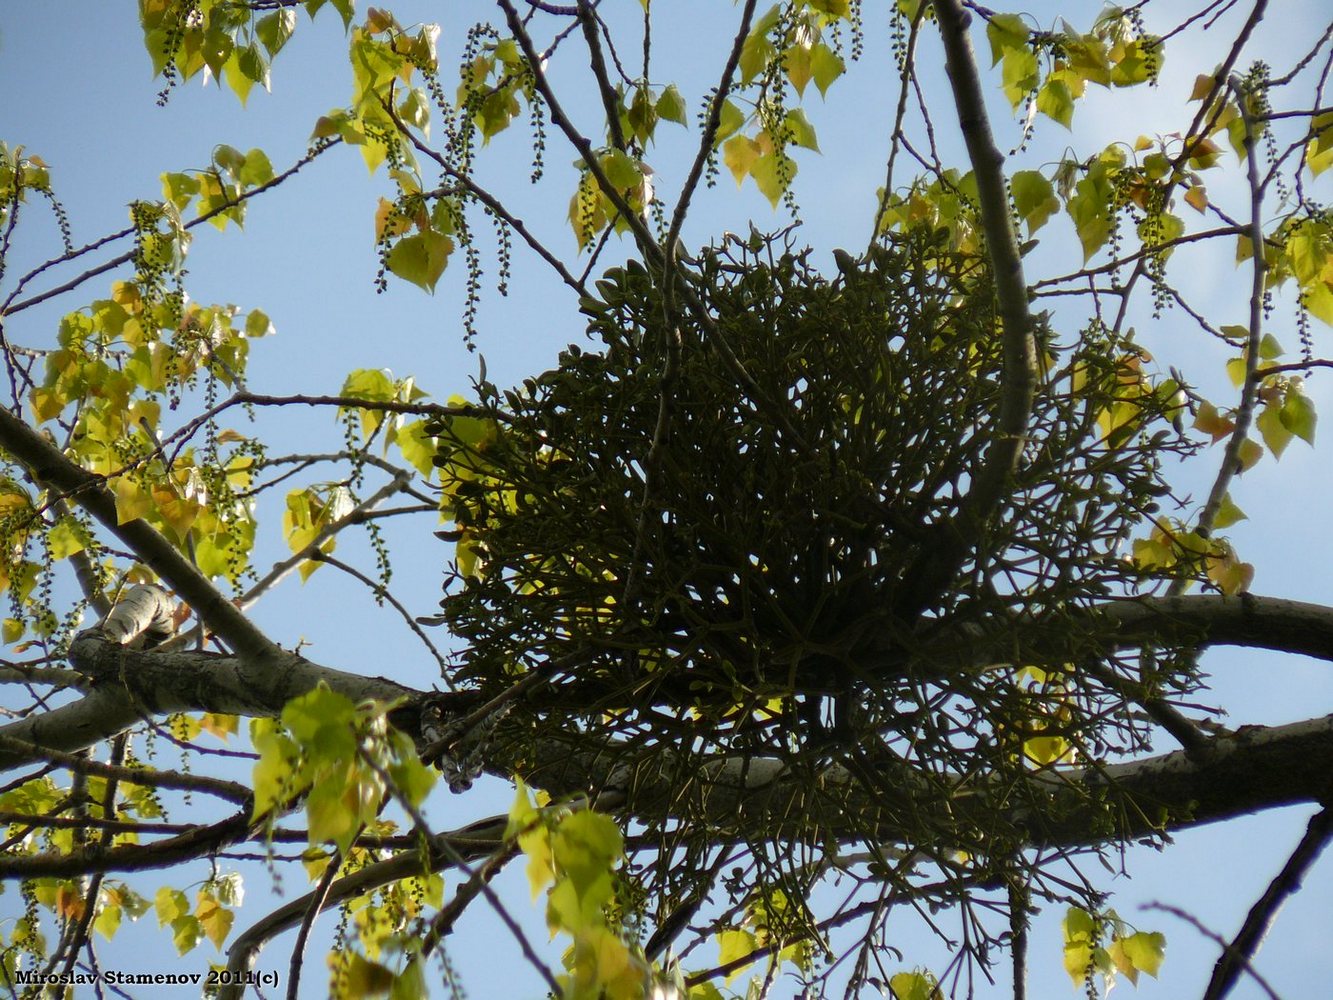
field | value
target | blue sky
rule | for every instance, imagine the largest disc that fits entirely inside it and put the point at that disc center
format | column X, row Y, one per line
column 78, row 92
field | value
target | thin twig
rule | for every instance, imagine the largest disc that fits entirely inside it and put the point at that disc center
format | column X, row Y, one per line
column 383, row 592
column 357, row 515
column 318, row 898
column 1250, row 391
column 11, row 307
column 1217, row 939
column 423, row 827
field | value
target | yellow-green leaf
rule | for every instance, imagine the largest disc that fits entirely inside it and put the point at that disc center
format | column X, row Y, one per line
column 671, row 106
column 1271, row 428
column 800, row 131
column 1034, row 198
column 1055, row 101
column 772, row 174
column 1139, row 952
column 67, row 538
column 1249, row 454
column 739, row 153
column 914, row 986
column 1006, row 32
column 420, row 259
column 132, row 502
column 825, row 66
column 363, row 978
column 1298, row 415
column 170, row 904
column 733, row 946
column 1228, row 514
column 186, row 933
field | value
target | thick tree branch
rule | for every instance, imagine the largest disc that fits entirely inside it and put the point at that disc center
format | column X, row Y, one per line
column 1255, row 769
column 137, row 684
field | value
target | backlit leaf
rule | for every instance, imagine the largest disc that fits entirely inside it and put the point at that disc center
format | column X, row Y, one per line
column 273, row 30
column 671, row 106
column 1249, row 455
column 825, row 66
column 1034, row 198
column 421, row 259
column 1270, row 427
column 1298, row 415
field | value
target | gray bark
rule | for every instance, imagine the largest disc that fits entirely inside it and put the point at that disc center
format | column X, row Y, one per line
column 133, row 685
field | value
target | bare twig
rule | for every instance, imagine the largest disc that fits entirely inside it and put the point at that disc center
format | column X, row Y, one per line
column 1239, row 955
column 319, row 898
column 357, row 515
column 229, row 790
column 482, row 884
column 598, row 65
column 1218, row 939
column 711, row 125
column 11, row 307
column 1250, row 390
column 382, row 592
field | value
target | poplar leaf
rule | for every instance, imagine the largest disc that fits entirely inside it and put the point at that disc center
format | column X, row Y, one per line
column 1270, row 426
column 132, row 502
column 671, row 106
column 1034, row 198
column 214, row 919
column 1228, row 514
column 1249, row 455
column 825, row 66
column 1298, row 415
column 739, row 153
column 421, row 259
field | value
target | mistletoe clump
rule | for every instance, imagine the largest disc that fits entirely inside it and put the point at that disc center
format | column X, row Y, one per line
column 707, row 537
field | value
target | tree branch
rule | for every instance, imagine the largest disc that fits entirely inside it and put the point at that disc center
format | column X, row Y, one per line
column 11, row 307
column 1255, row 769
column 1250, row 391
column 938, row 563
column 1237, row 956
column 472, row 842
column 134, row 684
column 53, row 471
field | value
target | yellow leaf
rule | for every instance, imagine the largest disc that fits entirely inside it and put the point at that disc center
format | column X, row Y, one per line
column 132, row 502
column 47, row 403
column 214, row 918
column 364, row 978
column 1145, row 951
column 1250, row 453
column 739, row 154
column 220, row 726
column 734, row 945
column 1213, row 423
